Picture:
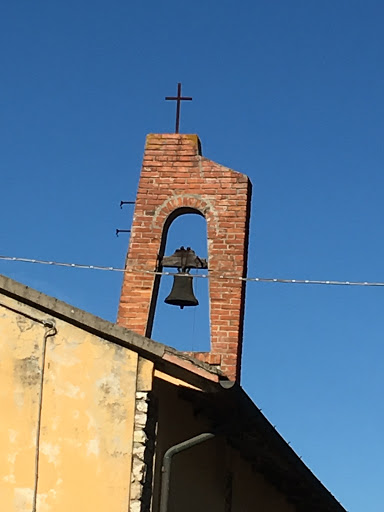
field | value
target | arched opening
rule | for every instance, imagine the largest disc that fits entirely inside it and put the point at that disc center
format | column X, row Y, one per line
column 186, row 329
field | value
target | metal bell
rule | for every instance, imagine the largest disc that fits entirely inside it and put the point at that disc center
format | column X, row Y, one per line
column 182, row 292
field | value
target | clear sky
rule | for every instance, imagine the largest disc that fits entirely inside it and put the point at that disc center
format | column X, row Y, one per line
column 288, row 92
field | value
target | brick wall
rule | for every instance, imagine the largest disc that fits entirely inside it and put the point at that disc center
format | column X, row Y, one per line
column 176, row 179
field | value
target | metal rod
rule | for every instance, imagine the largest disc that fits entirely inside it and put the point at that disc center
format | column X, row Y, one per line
column 167, row 460
column 126, row 202
column 122, row 231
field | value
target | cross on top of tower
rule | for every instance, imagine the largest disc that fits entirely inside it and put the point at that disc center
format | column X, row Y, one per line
column 179, row 98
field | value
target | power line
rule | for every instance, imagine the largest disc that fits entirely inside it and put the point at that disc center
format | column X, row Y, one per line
column 204, row 276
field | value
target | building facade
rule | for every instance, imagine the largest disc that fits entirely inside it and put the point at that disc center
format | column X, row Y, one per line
column 99, row 417
column 90, row 409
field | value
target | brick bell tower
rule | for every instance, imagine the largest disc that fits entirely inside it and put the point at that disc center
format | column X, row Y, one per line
column 176, row 179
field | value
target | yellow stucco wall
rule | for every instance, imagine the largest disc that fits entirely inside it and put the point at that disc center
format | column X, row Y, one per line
column 67, row 426
column 85, row 410
column 20, row 366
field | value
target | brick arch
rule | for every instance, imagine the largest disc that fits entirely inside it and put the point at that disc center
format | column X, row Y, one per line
column 183, row 204
column 172, row 216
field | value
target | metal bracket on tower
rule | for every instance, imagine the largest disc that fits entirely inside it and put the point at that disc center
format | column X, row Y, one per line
column 122, row 231
column 184, row 259
column 126, row 202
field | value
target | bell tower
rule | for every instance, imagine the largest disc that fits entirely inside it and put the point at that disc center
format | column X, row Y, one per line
column 175, row 180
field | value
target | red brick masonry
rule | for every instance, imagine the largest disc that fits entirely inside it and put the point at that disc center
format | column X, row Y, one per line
column 176, row 179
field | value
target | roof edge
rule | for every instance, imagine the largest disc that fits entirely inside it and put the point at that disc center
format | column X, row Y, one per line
column 104, row 328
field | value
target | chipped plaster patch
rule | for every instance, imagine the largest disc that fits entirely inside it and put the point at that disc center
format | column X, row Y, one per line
column 11, row 457
column 93, row 447
column 51, row 451
column 92, row 423
column 10, row 479
column 69, row 390
column 18, row 397
column 54, row 422
column 23, row 498
column 12, row 434
column 44, row 498
column 71, row 357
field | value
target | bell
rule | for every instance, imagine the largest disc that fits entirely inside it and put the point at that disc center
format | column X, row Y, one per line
column 182, row 292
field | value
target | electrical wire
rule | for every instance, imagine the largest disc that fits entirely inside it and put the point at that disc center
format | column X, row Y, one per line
column 210, row 275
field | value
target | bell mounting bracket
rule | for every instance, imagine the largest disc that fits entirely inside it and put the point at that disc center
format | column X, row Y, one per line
column 184, row 259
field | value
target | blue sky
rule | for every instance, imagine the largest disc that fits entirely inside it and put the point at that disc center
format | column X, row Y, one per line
column 289, row 93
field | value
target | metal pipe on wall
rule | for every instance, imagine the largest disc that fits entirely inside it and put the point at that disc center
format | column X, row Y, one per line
column 167, row 461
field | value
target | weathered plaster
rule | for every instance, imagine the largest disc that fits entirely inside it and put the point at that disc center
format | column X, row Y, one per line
column 21, row 343
column 87, row 416
column 90, row 386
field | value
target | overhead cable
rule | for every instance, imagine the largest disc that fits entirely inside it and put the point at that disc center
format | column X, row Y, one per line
column 211, row 275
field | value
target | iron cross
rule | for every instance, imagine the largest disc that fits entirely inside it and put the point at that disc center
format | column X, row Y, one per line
column 179, row 98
